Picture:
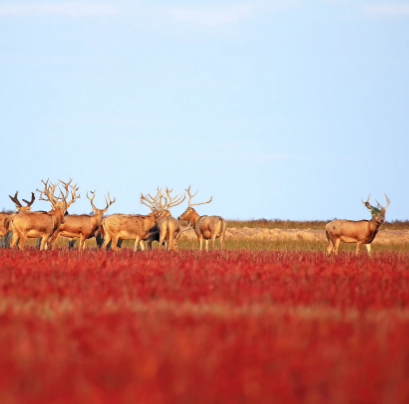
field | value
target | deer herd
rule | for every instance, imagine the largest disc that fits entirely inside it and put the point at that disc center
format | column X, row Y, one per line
column 159, row 225
column 110, row 231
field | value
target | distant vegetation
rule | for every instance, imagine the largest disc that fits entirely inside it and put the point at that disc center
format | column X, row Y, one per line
column 303, row 225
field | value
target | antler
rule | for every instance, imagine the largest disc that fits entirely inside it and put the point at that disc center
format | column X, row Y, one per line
column 109, row 201
column 92, row 199
column 74, row 190
column 32, row 200
column 169, row 201
column 152, row 202
column 48, row 192
column 15, row 200
column 367, row 204
column 192, row 196
column 388, row 203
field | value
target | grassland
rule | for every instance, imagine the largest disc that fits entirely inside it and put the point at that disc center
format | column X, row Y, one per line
column 303, row 225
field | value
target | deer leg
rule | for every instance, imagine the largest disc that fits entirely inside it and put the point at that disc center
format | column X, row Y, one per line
column 14, row 239
column 358, row 247
column 53, row 239
column 43, row 245
column 161, row 242
column 330, row 246
column 368, row 247
column 213, row 241
column 200, row 240
column 21, row 242
column 107, row 239
column 137, row 241
column 71, row 243
column 221, row 242
column 114, row 241
column 207, row 245
column 82, row 242
column 336, row 245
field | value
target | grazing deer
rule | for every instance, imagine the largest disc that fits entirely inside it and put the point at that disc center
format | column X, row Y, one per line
column 136, row 227
column 42, row 224
column 360, row 232
column 82, row 226
column 206, row 227
column 5, row 231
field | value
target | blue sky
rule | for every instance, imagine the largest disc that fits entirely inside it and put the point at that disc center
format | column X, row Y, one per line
column 279, row 109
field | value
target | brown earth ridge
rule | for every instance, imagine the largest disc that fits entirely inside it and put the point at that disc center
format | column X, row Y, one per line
column 384, row 237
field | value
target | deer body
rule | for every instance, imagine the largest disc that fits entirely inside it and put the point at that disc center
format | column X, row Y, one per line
column 35, row 225
column 362, row 232
column 78, row 226
column 5, row 227
column 206, row 227
column 139, row 227
column 169, row 230
column 41, row 224
column 82, row 226
column 128, row 227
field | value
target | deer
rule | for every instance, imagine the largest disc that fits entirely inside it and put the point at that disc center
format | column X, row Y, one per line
column 360, row 232
column 136, row 227
column 42, row 224
column 206, row 227
column 5, row 232
column 156, row 235
column 168, row 228
column 83, row 227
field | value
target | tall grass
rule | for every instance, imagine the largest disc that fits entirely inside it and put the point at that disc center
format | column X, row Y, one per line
column 247, row 244
column 303, row 225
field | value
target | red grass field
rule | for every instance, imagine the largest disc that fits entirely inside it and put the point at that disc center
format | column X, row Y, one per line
column 223, row 327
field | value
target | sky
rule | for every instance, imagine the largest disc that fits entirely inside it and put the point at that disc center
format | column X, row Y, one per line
column 290, row 109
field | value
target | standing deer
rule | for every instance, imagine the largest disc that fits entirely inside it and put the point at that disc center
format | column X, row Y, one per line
column 168, row 229
column 42, row 224
column 5, row 232
column 131, row 227
column 136, row 227
column 82, row 226
column 206, row 227
column 360, row 232
column 155, row 236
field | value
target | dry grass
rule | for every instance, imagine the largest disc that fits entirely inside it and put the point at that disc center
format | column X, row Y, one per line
column 250, row 244
column 304, row 225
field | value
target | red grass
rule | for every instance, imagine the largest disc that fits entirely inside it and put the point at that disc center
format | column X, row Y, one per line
column 230, row 327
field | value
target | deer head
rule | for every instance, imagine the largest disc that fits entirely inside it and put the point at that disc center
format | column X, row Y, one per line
column 160, row 203
column 19, row 206
column 59, row 202
column 108, row 201
column 190, row 209
column 378, row 214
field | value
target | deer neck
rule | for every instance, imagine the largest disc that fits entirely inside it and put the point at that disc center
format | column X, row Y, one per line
column 373, row 226
column 97, row 218
column 194, row 218
column 57, row 217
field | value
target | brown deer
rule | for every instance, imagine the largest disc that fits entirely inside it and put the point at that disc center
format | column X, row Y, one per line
column 206, row 227
column 82, row 226
column 4, row 230
column 168, row 229
column 42, row 224
column 136, row 227
column 360, row 232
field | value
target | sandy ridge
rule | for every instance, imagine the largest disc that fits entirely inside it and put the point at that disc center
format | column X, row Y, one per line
column 383, row 237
